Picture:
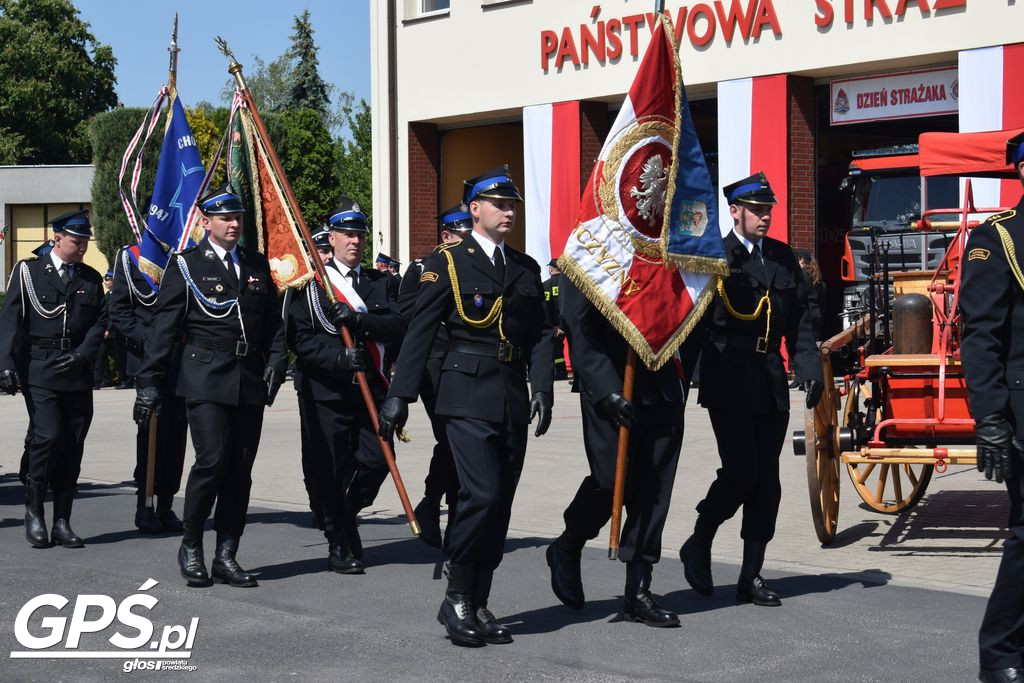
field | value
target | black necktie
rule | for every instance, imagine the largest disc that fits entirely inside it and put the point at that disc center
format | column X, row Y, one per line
column 65, row 274
column 229, row 263
column 499, row 264
column 354, row 277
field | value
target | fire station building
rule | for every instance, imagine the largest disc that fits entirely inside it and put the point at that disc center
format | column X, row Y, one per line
column 795, row 89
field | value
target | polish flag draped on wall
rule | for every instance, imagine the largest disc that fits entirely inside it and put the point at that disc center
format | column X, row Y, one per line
column 748, row 143
column 648, row 206
column 551, row 155
column 991, row 99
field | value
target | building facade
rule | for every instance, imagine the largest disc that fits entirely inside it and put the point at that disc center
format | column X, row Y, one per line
column 790, row 88
column 32, row 196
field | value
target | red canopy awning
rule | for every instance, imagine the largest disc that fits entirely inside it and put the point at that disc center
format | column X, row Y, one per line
column 967, row 154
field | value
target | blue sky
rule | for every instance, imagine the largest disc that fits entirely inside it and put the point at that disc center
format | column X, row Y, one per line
column 139, row 32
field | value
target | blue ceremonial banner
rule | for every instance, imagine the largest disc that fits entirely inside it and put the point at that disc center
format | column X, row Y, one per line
column 690, row 235
column 179, row 178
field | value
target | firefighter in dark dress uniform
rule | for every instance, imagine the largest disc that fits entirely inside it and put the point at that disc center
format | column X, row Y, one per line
column 51, row 330
column 992, row 352
column 489, row 297
column 744, row 387
column 221, row 298
column 342, row 462
column 456, row 223
column 131, row 304
column 655, row 418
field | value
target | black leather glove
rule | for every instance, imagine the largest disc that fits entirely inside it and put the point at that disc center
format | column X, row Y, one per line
column 352, row 360
column 540, row 406
column 392, row 416
column 343, row 314
column 273, row 382
column 995, row 446
column 9, row 382
column 147, row 404
column 619, row 410
column 813, row 388
column 68, row 362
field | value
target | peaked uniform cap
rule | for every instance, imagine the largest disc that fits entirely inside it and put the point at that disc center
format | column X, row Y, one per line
column 494, row 184
column 751, row 190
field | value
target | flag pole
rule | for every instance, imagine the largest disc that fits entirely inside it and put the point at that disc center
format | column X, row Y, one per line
column 618, row 491
column 235, row 69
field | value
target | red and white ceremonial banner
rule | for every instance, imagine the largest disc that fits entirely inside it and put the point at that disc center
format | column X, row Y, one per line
column 551, row 155
column 991, row 99
column 614, row 252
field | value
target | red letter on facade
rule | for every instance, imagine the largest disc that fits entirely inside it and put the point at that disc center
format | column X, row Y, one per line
column 548, row 45
column 824, row 19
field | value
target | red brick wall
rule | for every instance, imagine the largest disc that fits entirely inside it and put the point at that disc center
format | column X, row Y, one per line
column 424, row 165
column 594, row 127
column 801, row 162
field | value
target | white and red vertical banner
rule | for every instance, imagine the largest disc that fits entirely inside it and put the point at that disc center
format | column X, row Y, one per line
column 753, row 135
column 551, row 156
column 991, row 98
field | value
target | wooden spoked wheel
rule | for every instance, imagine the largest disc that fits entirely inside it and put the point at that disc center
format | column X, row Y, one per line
column 821, row 430
column 890, row 488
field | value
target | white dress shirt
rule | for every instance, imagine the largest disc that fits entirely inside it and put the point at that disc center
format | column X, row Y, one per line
column 220, row 251
column 488, row 246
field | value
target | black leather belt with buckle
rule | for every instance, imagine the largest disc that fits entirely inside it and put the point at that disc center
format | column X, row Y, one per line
column 741, row 341
column 238, row 347
column 61, row 343
column 503, row 351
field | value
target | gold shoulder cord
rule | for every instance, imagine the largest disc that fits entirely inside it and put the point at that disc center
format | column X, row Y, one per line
column 486, row 321
column 1011, row 253
column 764, row 303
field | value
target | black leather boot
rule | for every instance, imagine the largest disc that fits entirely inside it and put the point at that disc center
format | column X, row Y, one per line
column 35, row 516
column 62, row 533
column 341, row 560
column 190, row 556
column 165, row 515
column 350, row 526
column 225, row 568
column 566, row 581
column 696, row 557
column 428, row 514
column 457, row 613
column 145, row 518
column 495, row 633
column 751, row 587
column 1013, row 674
column 638, row 603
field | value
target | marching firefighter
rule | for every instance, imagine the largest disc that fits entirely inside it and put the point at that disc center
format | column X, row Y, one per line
column 51, row 330
column 744, row 387
column 992, row 352
column 342, row 461
column 489, row 297
column 221, row 298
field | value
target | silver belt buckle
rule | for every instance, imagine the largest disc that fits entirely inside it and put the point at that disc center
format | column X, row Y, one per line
column 241, row 348
column 65, row 343
column 505, row 352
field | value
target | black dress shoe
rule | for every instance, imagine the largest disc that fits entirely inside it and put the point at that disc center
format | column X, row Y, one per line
column 226, row 569
column 35, row 516
column 428, row 514
column 62, row 533
column 165, row 515
column 697, row 566
column 757, row 592
column 638, row 604
column 457, row 613
column 341, row 560
column 190, row 557
column 495, row 633
column 1013, row 674
column 566, row 580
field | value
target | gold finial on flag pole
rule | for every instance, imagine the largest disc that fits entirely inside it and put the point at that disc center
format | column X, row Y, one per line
column 173, row 49
column 234, row 68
